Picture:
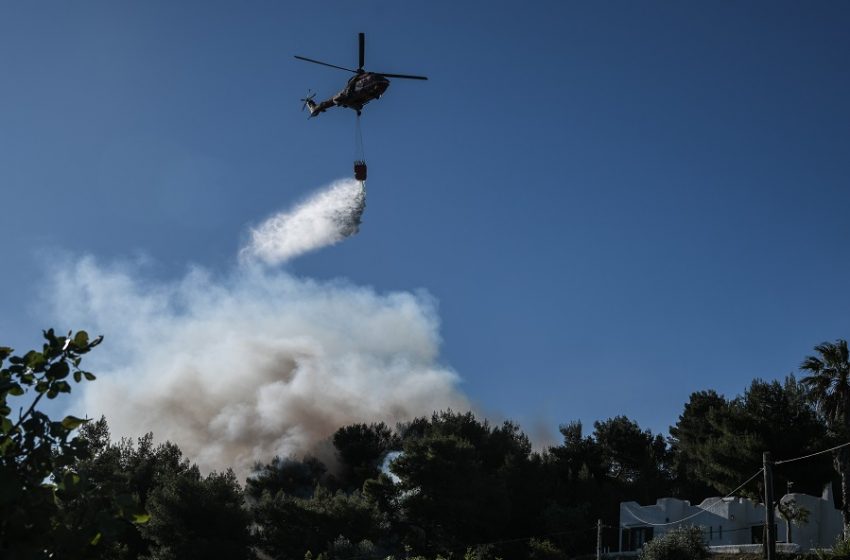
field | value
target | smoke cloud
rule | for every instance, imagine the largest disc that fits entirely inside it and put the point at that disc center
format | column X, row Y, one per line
column 257, row 363
column 324, row 219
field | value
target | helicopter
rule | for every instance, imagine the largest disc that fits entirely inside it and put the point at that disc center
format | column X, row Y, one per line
column 362, row 88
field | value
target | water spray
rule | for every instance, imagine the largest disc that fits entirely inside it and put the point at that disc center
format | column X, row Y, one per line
column 325, row 218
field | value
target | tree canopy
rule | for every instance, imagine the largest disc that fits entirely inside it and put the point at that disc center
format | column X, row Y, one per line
column 445, row 485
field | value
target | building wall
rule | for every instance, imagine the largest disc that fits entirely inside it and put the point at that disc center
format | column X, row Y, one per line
column 824, row 524
column 730, row 521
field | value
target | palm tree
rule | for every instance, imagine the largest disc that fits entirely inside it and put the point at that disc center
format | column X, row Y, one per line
column 828, row 382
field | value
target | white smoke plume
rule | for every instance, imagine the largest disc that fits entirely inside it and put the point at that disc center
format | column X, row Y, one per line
column 324, row 219
column 254, row 364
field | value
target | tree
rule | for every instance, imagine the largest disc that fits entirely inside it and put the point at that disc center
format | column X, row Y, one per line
column 295, row 511
column 444, row 489
column 634, row 458
column 792, row 512
column 36, row 453
column 464, row 482
column 721, row 442
column 47, row 507
column 574, row 489
column 189, row 513
column 828, row 382
column 696, row 426
column 289, row 475
column 106, row 469
column 587, row 477
column 360, row 449
column 198, row 517
column 783, row 420
column 288, row 527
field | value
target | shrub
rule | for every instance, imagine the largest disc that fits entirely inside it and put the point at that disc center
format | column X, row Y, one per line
column 480, row 552
column 685, row 543
column 544, row 550
column 840, row 550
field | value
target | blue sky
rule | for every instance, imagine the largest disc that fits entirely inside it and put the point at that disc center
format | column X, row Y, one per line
column 614, row 203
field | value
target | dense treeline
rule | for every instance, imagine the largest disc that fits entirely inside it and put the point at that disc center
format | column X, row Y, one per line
column 446, row 485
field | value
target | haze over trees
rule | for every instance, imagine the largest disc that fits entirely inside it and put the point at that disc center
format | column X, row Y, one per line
column 446, row 485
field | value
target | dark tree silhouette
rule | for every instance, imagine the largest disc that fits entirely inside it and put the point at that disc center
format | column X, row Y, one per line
column 828, row 381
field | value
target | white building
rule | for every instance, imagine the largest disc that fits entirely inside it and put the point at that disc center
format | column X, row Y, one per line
column 730, row 521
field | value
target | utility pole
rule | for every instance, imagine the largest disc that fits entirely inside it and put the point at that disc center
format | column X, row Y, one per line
column 769, row 536
column 598, row 539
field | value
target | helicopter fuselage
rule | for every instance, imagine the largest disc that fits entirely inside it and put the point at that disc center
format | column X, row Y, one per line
column 361, row 89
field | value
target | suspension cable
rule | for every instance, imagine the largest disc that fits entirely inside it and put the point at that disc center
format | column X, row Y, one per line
column 811, row 455
column 359, row 150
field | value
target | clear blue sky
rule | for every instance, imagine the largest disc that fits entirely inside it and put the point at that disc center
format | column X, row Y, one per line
column 615, row 203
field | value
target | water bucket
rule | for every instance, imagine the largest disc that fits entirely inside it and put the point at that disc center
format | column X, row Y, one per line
column 360, row 170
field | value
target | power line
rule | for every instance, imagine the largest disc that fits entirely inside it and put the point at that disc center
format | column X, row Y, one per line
column 811, row 455
column 702, row 510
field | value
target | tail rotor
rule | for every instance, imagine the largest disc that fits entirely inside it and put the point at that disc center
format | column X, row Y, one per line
column 307, row 101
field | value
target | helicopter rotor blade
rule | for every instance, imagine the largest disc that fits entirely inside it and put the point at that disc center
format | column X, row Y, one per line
column 405, row 76
column 325, row 64
column 362, row 39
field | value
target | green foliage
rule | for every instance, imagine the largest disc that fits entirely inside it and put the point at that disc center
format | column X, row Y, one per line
column 360, row 449
column 793, row 513
column 295, row 512
column 481, row 552
column 760, row 556
column 544, row 550
column 457, row 481
column 462, row 482
column 291, row 476
column 586, row 477
column 627, row 451
column 198, row 517
column 839, row 551
column 828, row 385
column 38, row 478
column 633, row 458
column 720, row 442
column 188, row 515
column 685, row 543
column 343, row 549
column 697, row 425
column 290, row 526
